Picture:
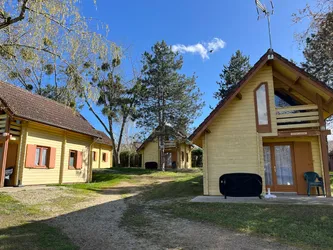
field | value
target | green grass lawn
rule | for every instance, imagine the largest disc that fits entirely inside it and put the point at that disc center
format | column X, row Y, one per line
column 104, row 179
column 18, row 230
column 305, row 226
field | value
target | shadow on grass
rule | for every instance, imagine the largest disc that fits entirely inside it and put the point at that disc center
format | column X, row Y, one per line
column 34, row 235
column 307, row 226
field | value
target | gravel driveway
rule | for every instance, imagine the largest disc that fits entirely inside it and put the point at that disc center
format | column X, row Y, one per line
column 96, row 224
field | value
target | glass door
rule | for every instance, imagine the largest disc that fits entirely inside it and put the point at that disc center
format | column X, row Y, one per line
column 268, row 166
column 168, row 159
column 283, row 165
column 279, row 167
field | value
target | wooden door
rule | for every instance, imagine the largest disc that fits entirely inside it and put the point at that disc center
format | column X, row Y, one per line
column 304, row 163
column 279, row 167
column 11, row 161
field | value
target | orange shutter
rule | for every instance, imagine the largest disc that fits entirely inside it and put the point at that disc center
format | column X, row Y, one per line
column 30, row 157
column 78, row 160
column 106, row 157
column 52, row 158
column 95, row 156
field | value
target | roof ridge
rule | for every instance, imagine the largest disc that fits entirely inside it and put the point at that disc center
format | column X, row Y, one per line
column 24, row 104
column 37, row 95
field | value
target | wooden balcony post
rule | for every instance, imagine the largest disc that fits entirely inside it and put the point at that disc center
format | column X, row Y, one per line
column 4, row 154
column 323, row 144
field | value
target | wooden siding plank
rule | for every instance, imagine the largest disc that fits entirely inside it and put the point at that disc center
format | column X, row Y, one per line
column 298, row 119
column 297, row 108
column 278, row 116
column 15, row 127
column 306, row 125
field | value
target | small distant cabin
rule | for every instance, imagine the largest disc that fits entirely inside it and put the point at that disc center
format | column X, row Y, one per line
column 177, row 151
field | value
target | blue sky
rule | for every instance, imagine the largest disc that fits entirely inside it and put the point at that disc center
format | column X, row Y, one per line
column 137, row 25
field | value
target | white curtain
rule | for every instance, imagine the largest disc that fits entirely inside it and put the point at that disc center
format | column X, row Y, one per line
column 268, row 167
column 284, row 172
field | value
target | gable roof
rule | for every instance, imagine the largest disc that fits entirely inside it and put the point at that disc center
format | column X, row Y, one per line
column 152, row 136
column 25, row 105
column 103, row 139
column 257, row 66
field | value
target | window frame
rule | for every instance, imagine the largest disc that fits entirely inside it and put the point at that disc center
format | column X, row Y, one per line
column 94, row 156
column 183, row 156
column 104, row 157
column 47, row 160
column 75, row 159
column 266, row 128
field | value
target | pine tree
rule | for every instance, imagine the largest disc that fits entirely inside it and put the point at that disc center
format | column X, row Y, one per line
column 168, row 98
column 318, row 52
column 232, row 73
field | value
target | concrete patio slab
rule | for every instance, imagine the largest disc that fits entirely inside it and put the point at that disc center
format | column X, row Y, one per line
column 281, row 199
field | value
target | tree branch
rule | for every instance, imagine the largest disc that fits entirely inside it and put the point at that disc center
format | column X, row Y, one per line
column 95, row 114
column 50, row 18
column 10, row 20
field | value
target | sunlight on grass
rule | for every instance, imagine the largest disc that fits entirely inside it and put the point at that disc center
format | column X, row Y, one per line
column 305, row 226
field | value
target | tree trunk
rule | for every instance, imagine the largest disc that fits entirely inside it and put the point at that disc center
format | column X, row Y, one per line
column 123, row 122
column 116, row 156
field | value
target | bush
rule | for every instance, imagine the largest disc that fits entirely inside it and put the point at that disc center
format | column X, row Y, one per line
column 197, row 158
column 130, row 159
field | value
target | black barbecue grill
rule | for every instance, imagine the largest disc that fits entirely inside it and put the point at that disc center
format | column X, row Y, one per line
column 241, row 185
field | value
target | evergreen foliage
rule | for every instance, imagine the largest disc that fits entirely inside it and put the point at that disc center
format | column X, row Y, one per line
column 232, row 73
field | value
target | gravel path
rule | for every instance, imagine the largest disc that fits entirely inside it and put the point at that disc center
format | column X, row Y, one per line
column 97, row 226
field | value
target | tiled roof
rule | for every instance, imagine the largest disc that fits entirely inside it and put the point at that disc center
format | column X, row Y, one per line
column 25, row 105
column 103, row 139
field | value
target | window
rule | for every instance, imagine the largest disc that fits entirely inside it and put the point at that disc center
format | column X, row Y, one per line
column 94, row 156
column 186, row 157
column 42, row 156
column 104, row 157
column 72, row 159
column 284, row 98
column 263, row 119
column 183, row 156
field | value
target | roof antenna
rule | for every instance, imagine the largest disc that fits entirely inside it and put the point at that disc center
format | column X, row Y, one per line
column 262, row 8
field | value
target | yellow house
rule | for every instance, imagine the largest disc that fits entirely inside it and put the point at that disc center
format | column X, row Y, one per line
column 45, row 142
column 102, row 152
column 271, row 124
column 177, row 152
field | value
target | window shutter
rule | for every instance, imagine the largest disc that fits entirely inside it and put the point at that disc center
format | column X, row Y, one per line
column 30, row 157
column 106, row 157
column 78, row 160
column 52, row 158
column 95, row 156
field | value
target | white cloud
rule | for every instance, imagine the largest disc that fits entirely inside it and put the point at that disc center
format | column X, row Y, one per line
column 216, row 44
column 203, row 49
